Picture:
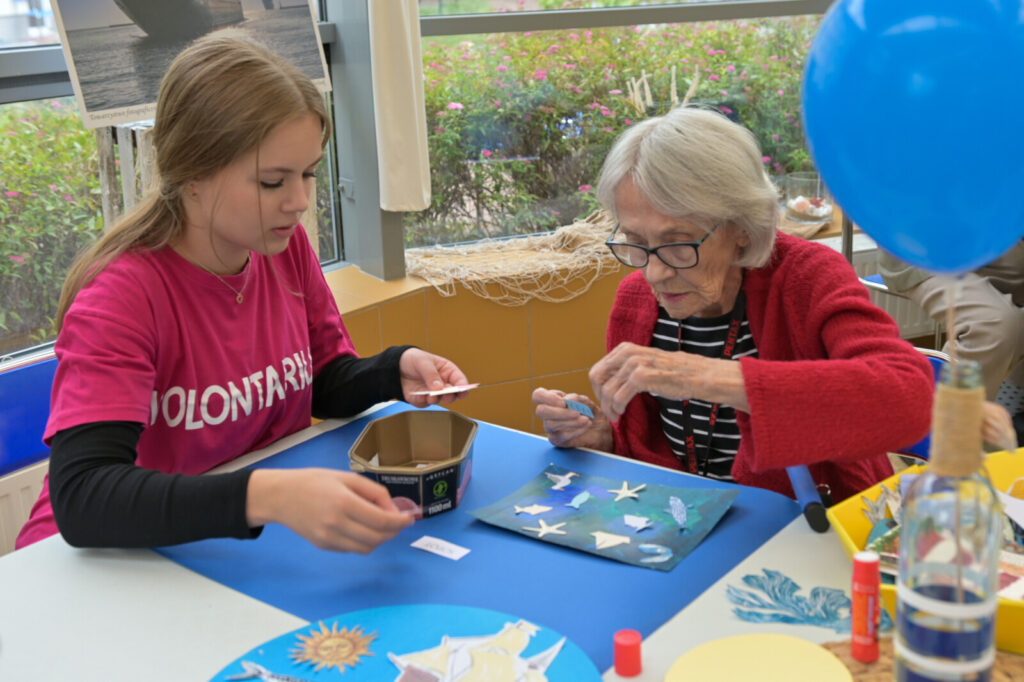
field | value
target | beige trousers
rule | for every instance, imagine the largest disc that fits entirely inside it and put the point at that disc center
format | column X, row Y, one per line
column 988, row 320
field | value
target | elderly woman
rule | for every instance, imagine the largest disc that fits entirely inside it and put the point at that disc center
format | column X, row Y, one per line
column 736, row 351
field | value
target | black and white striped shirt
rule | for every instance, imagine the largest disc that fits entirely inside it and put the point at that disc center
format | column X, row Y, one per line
column 702, row 336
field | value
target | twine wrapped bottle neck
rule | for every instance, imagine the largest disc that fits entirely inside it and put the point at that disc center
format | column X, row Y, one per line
column 957, row 414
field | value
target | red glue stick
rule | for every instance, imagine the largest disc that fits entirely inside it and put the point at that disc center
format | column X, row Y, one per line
column 865, row 610
column 627, row 653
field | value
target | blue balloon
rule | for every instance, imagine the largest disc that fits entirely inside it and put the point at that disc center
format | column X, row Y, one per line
column 914, row 114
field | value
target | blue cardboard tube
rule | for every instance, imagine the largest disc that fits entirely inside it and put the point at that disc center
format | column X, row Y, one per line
column 808, row 498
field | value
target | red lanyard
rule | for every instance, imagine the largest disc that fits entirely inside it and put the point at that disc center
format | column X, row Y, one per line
column 689, row 437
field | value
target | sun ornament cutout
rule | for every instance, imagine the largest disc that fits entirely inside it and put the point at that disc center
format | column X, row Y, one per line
column 333, row 647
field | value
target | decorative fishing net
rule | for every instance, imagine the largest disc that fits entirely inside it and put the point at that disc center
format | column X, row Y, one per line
column 553, row 267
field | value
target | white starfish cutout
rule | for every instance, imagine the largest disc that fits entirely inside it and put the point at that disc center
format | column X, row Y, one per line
column 545, row 529
column 625, row 491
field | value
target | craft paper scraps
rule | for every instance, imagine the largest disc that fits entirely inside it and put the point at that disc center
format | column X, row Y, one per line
column 580, row 407
column 625, row 491
column 560, row 480
column 545, row 529
column 448, row 389
column 654, row 526
column 415, row 643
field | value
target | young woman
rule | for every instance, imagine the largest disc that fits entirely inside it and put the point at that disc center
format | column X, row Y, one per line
column 201, row 328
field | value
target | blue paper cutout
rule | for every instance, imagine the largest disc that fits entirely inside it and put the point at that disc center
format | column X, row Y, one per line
column 826, row 607
column 601, row 525
column 580, row 407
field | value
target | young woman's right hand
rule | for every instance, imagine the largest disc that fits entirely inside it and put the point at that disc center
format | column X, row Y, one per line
column 336, row 510
column 567, row 428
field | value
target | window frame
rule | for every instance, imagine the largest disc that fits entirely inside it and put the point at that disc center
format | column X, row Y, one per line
column 373, row 238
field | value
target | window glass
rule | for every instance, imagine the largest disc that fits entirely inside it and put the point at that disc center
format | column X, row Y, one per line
column 27, row 22
column 49, row 207
column 518, row 124
column 328, row 241
column 32, row 22
column 450, row 7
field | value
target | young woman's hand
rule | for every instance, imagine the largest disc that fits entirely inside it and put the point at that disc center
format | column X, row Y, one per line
column 423, row 371
column 336, row 510
column 567, row 428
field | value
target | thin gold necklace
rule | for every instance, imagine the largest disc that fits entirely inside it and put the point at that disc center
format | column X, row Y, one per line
column 238, row 292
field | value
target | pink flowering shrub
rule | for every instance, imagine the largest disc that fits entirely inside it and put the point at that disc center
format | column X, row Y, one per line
column 50, row 209
column 546, row 106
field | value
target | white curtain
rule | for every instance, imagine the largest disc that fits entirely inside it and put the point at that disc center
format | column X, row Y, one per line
column 396, row 63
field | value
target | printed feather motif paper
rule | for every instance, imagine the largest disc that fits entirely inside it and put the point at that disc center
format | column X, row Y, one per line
column 654, row 526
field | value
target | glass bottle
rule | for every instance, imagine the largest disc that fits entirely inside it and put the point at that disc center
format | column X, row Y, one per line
column 950, row 541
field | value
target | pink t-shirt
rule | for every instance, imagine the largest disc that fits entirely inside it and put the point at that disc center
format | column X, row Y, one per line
column 156, row 340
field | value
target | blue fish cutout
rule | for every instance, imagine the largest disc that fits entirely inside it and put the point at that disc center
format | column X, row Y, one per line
column 677, row 509
column 579, row 500
column 659, row 553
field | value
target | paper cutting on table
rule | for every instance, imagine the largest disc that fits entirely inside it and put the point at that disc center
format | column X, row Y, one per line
column 545, row 529
column 333, row 647
column 487, row 657
column 625, row 491
column 677, row 508
column 774, row 597
column 560, row 480
column 637, row 523
column 579, row 499
column 604, row 540
column 654, row 526
column 421, row 642
column 448, row 389
column 533, row 509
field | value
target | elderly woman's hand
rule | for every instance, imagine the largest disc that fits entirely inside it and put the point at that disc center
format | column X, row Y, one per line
column 631, row 369
column 567, row 428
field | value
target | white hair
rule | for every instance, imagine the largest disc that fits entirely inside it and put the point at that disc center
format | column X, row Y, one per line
column 696, row 163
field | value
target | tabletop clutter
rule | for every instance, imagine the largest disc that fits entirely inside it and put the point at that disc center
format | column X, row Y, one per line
column 424, row 458
column 807, row 200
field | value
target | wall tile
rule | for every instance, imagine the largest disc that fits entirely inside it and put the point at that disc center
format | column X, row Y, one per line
column 364, row 327
column 488, row 341
column 507, row 404
column 358, row 286
column 404, row 321
column 571, row 335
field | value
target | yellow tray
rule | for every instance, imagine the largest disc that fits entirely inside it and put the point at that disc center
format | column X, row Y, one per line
column 853, row 528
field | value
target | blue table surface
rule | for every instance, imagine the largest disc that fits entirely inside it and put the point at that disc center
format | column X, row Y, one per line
column 583, row 596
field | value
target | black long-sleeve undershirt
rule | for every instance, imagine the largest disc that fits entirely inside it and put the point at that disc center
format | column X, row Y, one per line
column 100, row 497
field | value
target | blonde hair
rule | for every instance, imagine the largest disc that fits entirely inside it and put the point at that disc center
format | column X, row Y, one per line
column 218, row 100
column 696, row 163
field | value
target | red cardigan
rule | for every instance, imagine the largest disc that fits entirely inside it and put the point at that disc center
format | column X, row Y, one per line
column 833, row 386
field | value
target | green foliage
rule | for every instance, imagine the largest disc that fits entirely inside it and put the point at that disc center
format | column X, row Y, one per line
column 435, row 7
column 50, row 209
column 518, row 127
column 518, row 124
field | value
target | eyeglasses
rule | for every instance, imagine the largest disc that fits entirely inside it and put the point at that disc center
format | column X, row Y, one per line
column 678, row 255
